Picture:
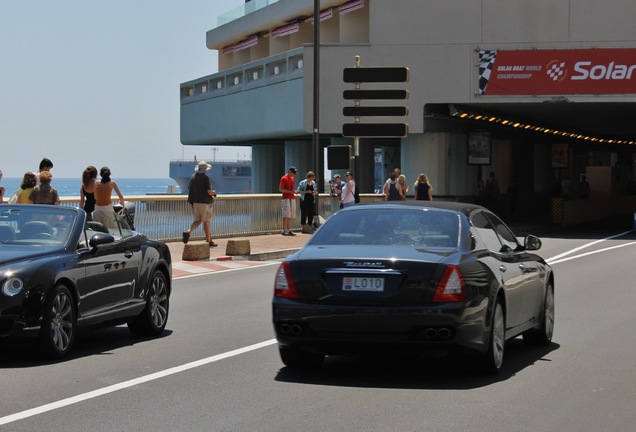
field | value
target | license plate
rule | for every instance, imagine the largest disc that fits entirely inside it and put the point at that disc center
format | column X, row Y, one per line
column 363, row 284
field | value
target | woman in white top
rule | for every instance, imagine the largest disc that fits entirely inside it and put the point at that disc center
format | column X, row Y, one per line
column 347, row 197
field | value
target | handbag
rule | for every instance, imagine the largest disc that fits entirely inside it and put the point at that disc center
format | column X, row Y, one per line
column 14, row 197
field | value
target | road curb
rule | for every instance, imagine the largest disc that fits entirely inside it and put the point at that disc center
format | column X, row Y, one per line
column 261, row 256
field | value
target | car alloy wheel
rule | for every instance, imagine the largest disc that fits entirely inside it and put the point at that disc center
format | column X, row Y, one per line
column 493, row 359
column 543, row 335
column 58, row 323
column 152, row 320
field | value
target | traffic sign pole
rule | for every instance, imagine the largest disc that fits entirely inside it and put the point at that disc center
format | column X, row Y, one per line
column 372, row 75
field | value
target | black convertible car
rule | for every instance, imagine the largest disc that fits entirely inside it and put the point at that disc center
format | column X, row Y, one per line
column 429, row 277
column 59, row 271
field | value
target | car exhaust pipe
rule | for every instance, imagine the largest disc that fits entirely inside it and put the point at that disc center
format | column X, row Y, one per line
column 444, row 333
column 296, row 329
column 430, row 333
column 285, row 328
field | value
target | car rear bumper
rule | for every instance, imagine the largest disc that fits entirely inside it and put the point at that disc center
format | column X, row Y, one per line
column 331, row 329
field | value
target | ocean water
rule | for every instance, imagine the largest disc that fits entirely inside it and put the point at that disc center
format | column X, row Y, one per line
column 70, row 187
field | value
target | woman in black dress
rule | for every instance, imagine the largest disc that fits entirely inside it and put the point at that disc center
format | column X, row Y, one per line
column 423, row 188
column 87, row 191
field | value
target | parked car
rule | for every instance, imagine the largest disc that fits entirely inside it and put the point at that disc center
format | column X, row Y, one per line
column 412, row 275
column 59, row 272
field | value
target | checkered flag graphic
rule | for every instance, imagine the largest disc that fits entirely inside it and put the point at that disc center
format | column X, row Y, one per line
column 486, row 62
column 556, row 71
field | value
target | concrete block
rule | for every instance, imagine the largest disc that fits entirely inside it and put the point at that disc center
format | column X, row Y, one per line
column 196, row 251
column 238, row 247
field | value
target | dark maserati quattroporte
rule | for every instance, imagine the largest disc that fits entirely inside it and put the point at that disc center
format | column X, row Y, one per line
column 424, row 277
column 59, row 272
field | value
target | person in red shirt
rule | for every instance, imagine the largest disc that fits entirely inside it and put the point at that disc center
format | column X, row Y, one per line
column 286, row 187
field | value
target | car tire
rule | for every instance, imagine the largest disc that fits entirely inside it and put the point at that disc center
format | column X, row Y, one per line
column 57, row 333
column 493, row 358
column 543, row 335
column 299, row 358
column 152, row 320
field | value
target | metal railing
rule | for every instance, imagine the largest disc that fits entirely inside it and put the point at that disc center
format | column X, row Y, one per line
column 165, row 217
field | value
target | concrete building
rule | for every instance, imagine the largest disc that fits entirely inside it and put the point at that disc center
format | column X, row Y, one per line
column 532, row 90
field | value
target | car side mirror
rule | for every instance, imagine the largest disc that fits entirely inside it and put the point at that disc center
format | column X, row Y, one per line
column 101, row 238
column 532, row 242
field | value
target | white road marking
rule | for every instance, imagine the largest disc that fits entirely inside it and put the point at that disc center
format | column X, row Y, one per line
column 557, row 261
column 571, row 251
column 210, row 271
column 133, row 382
column 177, row 369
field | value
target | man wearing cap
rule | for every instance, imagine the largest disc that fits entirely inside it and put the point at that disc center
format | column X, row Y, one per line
column 201, row 196
column 286, row 187
column 338, row 184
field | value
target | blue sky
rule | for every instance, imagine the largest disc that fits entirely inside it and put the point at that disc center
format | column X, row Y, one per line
column 90, row 82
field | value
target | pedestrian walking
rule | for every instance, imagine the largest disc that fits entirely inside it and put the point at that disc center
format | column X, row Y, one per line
column 286, row 187
column 201, row 197
column 307, row 191
column 423, row 188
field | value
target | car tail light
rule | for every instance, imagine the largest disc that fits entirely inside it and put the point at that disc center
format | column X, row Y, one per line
column 284, row 285
column 450, row 287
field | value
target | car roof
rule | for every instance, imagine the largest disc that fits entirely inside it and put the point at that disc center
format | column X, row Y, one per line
column 464, row 208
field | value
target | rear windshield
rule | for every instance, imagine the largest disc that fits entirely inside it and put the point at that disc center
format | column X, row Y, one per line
column 418, row 228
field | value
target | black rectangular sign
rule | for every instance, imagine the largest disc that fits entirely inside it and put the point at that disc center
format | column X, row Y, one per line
column 375, row 130
column 339, row 157
column 375, row 94
column 392, row 74
column 375, row 111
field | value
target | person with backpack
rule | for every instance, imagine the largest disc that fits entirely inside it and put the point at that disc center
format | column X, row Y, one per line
column 392, row 189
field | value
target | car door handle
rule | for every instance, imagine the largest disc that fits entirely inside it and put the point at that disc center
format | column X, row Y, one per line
column 503, row 268
column 525, row 269
column 128, row 254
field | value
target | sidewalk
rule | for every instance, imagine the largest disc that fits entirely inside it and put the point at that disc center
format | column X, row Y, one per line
column 263, row 247
column 275, row 246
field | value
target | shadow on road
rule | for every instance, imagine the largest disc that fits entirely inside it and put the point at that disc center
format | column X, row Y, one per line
column 24, row 353
column 457, row 372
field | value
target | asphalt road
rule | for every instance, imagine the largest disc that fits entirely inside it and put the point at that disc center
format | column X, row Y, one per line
column 217, row 368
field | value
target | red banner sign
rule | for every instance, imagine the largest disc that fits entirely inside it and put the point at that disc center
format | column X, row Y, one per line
column 557, row 72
